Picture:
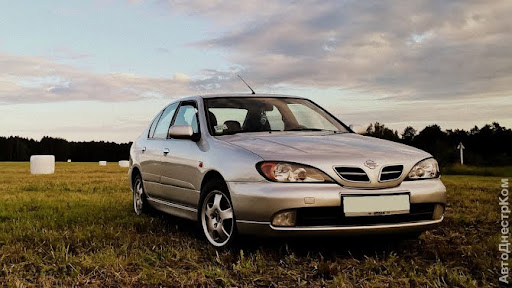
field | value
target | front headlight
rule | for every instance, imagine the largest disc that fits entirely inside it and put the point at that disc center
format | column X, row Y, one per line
column 291, row 172
column 425, row 169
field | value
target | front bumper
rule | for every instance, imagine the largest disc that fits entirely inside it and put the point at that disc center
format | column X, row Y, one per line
column 255, row 204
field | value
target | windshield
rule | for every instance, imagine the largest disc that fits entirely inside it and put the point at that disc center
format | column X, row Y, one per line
column 256, row 114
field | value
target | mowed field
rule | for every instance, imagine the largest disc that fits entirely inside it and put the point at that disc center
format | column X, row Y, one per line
column 76, row 227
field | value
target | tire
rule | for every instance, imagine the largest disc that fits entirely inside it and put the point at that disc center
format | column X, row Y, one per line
column 140, row 202
column 216, row 216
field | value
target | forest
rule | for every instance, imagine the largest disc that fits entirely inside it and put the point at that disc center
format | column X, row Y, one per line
column 490, row 145
column 20, row 149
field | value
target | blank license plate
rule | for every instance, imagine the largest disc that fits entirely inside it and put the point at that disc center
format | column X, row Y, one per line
column 376, row 205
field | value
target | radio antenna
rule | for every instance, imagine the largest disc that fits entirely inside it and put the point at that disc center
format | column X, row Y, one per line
column 246, row 83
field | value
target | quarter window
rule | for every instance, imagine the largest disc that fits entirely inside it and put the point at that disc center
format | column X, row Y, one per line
column 153, row 125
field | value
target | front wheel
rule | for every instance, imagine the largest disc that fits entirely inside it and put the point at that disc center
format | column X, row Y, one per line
column 217, row 218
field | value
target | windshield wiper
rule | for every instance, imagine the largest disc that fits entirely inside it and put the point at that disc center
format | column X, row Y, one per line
column 270, row 131
column 308, row 129
column 243, row 131
column 231, row 133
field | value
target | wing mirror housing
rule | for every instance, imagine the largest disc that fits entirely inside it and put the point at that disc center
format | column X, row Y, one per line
column 359, row 129
column 183, row 132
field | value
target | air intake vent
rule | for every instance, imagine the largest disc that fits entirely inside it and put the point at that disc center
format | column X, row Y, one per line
column 352, row 174
column 333, row 216
column 390, row 173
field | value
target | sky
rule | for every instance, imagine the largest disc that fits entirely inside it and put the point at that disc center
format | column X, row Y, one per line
column 102, row 69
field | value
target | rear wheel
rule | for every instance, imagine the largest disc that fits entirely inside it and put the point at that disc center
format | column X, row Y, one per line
column 140, row 202
column 217, row 217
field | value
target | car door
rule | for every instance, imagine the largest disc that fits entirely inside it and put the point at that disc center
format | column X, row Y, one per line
column 152, row 152
column 146, row 159
column 180, row 166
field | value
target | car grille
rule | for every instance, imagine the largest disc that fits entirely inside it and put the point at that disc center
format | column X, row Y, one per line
column 333, row 216
column 390, row 173
column 353, row 174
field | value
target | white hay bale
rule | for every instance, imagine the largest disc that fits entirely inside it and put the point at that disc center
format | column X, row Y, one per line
column 103, row 163
column 42, row 164
column 124, row 163
column 69, row 160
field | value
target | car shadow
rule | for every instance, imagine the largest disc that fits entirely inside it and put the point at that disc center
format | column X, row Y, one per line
column 327, row 246
column 175, row 223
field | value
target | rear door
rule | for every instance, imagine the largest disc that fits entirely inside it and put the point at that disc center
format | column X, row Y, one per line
column 147, row 162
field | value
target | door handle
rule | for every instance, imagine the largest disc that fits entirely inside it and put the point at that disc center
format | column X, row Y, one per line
column 144, row 149
column 166, row 151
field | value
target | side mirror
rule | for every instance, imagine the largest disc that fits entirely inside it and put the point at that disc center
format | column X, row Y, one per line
column 359, row 129
column 181, row 132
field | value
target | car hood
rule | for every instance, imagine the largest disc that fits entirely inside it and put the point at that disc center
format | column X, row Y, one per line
column 327, row 150
column 343, row 146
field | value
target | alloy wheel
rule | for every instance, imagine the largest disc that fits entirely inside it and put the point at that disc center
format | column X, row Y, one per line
column 138, row 194
column 217, row 218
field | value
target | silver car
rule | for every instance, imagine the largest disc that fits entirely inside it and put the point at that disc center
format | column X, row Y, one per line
column 279, row 165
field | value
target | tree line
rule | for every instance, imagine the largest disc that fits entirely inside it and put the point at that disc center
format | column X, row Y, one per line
column 490, row 145
column 20, row 149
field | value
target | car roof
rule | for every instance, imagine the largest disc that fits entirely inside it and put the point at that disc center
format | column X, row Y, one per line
column 233, row 95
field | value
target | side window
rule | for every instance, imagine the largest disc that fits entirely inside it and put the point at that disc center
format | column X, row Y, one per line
column 153, row 125
column 187, row 116
column 162, row 128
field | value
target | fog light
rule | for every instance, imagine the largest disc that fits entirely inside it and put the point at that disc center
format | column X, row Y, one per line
column 286, row 218
column 438, row 211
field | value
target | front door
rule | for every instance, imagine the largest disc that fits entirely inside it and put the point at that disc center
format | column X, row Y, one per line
column 180, row 164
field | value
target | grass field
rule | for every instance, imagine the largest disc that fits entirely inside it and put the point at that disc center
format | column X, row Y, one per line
column 76, row 227
column 458, row 169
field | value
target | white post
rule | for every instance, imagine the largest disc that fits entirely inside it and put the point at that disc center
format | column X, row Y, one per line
column 461, row 148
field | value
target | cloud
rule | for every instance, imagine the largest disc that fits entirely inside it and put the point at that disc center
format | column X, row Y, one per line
column 398, row 50
column 65, row 53
column 28, row 79
column 181, row 77
column 414, row 49
column 420, row 113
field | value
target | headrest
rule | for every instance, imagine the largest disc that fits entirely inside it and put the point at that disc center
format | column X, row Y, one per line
column 232, row 126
